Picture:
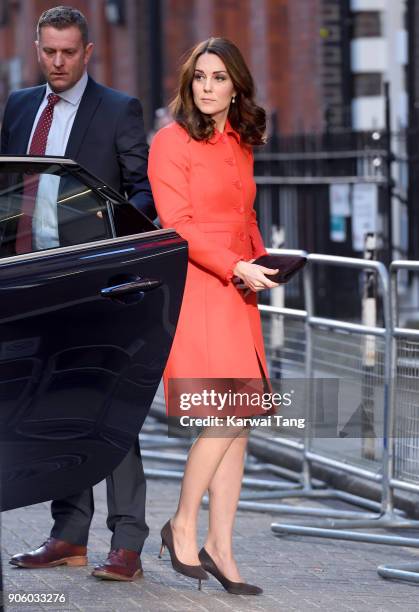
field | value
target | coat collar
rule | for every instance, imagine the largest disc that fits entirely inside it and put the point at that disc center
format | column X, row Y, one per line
column 228, row 130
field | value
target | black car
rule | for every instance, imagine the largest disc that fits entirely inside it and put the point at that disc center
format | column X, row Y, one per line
column 87, row 318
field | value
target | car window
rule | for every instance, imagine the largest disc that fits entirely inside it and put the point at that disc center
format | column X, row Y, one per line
column 48, row 209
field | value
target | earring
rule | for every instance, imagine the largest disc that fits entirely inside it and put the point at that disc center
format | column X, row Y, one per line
column 233, row 100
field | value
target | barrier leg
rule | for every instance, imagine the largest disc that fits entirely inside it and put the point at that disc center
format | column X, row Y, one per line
column 408, row 572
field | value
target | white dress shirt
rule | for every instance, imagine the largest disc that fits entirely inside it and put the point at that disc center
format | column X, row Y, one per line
column 44, row 223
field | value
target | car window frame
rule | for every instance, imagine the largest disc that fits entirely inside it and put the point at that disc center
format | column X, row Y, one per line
column 110, row 197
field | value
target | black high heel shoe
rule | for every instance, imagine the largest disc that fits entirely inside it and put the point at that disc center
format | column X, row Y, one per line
column 236, row 588
column 192, row 571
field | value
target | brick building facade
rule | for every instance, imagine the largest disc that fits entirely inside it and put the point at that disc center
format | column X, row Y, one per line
column 139, row 45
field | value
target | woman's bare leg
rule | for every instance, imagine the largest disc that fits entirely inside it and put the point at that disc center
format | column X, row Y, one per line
column 204, row 460
column 224, row 492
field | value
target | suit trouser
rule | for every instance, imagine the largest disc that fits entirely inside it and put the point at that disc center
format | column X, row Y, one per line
column 126, row 492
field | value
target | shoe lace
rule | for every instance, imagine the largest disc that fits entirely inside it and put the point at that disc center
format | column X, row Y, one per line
column 116, row 554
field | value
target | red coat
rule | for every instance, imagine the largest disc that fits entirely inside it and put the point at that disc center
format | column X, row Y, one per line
column 206, row 192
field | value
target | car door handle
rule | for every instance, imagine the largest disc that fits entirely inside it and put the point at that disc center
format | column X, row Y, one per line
column 141, row 285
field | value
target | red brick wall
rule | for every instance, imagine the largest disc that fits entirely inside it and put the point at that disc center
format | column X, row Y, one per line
column 231, row 19
column 121, row 46
column 279, row 39
column 305, row 66
column 177, row 38
column 187, row 22
column 279, row 92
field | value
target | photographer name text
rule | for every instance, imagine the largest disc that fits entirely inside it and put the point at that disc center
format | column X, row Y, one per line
column 234, row 421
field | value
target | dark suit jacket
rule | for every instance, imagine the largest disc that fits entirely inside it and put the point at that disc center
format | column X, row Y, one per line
column 107, row 138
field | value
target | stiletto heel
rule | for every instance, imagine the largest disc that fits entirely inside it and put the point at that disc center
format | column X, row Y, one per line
column 192, row 571
column 162, row 547
column 236, row 588
column 199, row 584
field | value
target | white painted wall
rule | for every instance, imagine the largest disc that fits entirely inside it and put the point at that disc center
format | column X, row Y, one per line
column 387, row 55
column 369, row 55
column 368, row 113
column 368, row 5
column 396, row 57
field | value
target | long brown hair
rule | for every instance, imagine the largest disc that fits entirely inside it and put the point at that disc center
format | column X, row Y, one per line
column 248, row 119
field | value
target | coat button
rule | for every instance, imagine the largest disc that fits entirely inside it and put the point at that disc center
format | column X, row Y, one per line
column 237, row 184
column 229, row 161
column 241, row 209
column 242, row 235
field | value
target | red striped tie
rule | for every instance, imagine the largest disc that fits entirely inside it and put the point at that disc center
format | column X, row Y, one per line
column 30, row 189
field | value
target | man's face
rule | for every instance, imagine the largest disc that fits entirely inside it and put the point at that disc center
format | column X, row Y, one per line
column 62, row 56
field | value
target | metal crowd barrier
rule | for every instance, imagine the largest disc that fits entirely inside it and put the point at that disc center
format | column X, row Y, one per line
column 308, row 453
column 398, row 434
column 404, row 416
column 305, row 486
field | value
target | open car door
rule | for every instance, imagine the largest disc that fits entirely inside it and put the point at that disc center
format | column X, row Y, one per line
column 87, row 318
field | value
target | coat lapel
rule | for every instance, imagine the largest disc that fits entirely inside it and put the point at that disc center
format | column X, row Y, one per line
column 22, row 134
column 87, row 108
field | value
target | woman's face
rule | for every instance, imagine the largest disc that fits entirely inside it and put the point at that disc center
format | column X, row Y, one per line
column 212, row 86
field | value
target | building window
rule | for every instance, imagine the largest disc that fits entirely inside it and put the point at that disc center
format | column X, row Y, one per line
column 368, row 84
column 366, row 24
column 115, row 12
column 4, row 12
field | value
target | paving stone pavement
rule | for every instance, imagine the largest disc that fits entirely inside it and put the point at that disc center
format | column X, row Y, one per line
column 297, row 574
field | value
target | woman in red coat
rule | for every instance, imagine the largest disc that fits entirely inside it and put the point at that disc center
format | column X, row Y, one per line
column 201, row 174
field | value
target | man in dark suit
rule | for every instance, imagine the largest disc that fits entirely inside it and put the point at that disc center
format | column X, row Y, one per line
column 103, row 130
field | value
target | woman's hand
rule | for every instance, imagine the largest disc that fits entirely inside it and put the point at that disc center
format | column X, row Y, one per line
column 253, row 276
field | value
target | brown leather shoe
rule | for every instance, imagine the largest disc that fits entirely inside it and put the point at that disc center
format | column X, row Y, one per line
column 51, row 553
column 121, row 564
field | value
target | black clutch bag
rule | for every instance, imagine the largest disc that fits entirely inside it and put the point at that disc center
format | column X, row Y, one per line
column 288, row 266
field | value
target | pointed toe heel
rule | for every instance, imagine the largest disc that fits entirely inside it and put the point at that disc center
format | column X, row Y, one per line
column 235, row 588
column 192, row 571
